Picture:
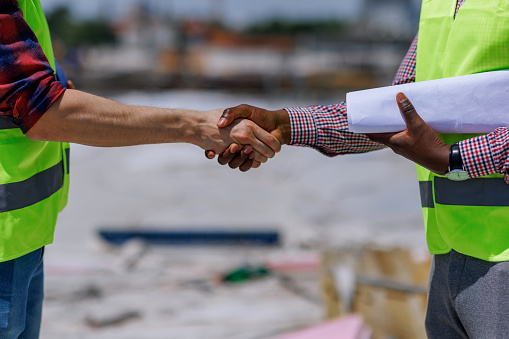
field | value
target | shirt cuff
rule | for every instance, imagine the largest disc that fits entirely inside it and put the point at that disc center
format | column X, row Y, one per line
column 35, row 102
column 303, row 126
column 476, row 156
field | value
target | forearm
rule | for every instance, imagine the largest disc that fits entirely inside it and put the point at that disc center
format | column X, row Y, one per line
column 325, row 128
column 87, row 119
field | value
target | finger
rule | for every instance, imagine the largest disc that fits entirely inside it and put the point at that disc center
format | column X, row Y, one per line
column 70, row 85
column 239, row 159
column 250, row 134
column 227, row 156
column 268, row 139
column 407, row 109
column 234, row 148
column 258, row 157
column 210, row 154
column 232, row 113
column 256, row 164
column 247, row 165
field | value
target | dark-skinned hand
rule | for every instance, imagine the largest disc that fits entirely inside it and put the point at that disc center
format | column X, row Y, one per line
column 418, row 143
column 276, row 123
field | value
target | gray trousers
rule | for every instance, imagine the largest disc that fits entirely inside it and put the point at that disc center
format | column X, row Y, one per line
column 468, row 298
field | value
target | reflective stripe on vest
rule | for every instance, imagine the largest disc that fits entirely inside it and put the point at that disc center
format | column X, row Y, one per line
column 33, row 174
column 36, row 188
column 479, row 192
column 470, row 216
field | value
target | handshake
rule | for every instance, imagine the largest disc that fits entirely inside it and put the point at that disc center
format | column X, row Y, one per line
column 256, row 135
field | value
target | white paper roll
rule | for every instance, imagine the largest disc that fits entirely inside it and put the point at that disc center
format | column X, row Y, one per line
column 477, row 103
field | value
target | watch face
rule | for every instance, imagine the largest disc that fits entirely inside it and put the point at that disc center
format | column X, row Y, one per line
column 457, row 175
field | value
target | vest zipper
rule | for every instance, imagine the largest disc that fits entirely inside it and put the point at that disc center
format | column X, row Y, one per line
column 453, row 16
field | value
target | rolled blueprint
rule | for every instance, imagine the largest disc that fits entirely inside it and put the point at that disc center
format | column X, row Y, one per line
column 477, row 103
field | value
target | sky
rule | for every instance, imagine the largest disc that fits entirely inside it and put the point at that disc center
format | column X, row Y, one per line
column 237, row 12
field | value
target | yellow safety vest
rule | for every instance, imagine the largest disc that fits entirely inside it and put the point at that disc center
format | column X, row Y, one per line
column 472, row 216
column 34, row 177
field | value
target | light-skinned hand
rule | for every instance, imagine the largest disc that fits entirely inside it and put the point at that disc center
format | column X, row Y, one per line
column 277, row 123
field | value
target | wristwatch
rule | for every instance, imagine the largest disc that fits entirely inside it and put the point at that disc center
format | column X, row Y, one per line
column 456, row 171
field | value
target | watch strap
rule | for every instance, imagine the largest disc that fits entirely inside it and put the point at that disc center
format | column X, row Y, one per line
column 455, row 161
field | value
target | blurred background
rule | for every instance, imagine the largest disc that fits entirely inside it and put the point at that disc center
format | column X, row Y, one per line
column 159, row 242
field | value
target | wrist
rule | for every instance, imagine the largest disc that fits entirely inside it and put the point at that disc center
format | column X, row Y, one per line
column 284, row 126
column 194, row 127
column 444, row 159
column 203, row 130
column 456, row 170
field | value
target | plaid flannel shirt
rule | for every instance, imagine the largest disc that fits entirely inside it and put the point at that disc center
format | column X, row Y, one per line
column 27, row 83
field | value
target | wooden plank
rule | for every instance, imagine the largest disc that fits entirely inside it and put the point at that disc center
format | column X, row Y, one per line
column 390, row 290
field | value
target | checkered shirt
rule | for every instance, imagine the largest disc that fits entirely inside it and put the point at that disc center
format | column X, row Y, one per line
column 325, row 128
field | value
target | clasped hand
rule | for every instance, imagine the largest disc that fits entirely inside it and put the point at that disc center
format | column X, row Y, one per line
column 275, row 125
column 418, row 143
column 236, row 139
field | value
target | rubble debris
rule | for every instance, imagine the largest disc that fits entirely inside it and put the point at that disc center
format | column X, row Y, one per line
column 89, row 292
column 131, row 254
column 245, row 273
column 112, row 320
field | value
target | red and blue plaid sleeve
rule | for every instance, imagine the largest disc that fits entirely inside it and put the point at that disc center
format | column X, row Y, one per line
column 27, row 83
column 325, row 128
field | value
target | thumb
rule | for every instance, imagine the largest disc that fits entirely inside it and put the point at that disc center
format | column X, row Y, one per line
column 232, row 113
column 407, row 109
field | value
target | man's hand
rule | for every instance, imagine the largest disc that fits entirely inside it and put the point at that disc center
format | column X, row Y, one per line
column 418, row 143
column 277, row 123
column 240, row 132
column 83, row 118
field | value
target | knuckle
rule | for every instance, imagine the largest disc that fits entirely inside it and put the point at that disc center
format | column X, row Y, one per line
column 246, row 166
column 407, row 106
column 243, row 106
column 243, row 137
column 270, row 141
column 261, row 159
column 249, row 125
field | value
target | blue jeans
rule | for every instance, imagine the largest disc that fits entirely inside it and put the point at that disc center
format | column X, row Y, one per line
column 21, row 295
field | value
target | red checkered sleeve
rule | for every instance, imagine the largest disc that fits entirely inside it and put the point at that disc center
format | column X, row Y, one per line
column 487, row 154
column 27, row 83
column 325, row 128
